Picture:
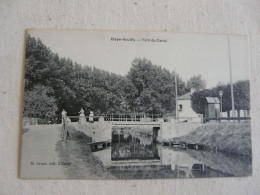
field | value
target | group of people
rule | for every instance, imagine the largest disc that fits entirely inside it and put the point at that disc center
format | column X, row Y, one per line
column 82, row 118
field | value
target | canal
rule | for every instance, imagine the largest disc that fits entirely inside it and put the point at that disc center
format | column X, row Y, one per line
column 133, row 155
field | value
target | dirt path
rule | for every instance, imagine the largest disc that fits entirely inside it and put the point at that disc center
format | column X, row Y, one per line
column 38, row 152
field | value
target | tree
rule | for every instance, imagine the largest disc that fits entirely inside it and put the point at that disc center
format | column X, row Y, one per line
column 241, row 97
column 37, row 69
column 151, row 88
column 196, row 82
column 198, row 100
column 40, row 103
column 146, row 87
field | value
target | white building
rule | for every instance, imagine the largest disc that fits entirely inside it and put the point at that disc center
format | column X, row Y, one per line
column 185, row 110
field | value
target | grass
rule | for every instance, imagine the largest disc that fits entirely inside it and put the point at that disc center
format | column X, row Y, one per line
column 83, row 165
column 226, row 137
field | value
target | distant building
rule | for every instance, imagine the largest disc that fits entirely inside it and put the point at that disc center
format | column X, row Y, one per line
column 185, row 110
column 212, row 108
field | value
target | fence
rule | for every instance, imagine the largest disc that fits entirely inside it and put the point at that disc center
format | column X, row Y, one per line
column 227, row 119
column 121, row 117
column 132, row 117
column 76, row 118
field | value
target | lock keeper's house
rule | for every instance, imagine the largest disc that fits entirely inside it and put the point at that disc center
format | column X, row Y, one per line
column 186, row 113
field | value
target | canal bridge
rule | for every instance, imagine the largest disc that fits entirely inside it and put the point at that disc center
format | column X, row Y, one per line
column 102, row 126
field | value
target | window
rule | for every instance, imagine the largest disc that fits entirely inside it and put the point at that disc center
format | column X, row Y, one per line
column 180, row 107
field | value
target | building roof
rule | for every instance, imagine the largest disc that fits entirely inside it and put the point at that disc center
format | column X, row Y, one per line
column 185, row 96
column 212, row 100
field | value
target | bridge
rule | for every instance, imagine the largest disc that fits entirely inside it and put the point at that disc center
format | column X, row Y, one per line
column 101, row 128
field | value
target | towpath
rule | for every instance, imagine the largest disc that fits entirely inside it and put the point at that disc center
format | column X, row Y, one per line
column 39, row 152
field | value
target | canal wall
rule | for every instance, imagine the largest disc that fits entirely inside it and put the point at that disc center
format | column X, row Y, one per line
column 98, row 131
column 173, row 129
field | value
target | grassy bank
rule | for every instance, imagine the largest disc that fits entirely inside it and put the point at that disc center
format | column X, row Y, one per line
column 227, row 137
column 83, row 165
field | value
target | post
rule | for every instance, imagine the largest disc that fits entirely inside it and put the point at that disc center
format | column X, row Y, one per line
column 176, row 94
column 221, row 106
column 135, row 114
column 231, row 83
column 238, row 115
column 220, row 94
column 65, row 130
column 119, row 137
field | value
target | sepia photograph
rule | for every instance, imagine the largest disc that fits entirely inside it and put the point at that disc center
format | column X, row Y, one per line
column 135, row 105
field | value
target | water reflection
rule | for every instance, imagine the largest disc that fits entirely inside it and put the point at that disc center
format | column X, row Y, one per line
column 134, row 150
column 133, row 155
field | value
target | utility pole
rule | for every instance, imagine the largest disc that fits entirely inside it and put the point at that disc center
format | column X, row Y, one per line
column 231, row 83
column 176, row 94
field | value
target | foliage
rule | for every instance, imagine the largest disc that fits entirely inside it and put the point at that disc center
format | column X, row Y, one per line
column 196, row 82
column 73, row 86
column 149, row 88
column 241, row 97
column 198, row 100
column 40, row 103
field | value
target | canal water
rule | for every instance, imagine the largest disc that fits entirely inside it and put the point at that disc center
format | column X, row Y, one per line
column 133, row 155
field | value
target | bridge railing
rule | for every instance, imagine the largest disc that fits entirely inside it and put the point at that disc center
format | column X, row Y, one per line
column 76, row 118
column 132, row 117
column 120, row 117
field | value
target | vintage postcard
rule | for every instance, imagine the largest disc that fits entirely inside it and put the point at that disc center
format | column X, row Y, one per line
column 135, row 105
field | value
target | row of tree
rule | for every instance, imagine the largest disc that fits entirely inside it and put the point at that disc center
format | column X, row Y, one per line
column 53, row 83
column 241, row 97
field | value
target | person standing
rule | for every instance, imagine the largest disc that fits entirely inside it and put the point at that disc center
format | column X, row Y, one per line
column 91, row 117
column 63, row 115
column 82, row 118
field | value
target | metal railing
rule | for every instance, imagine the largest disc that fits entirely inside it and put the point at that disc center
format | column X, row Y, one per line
column 132, row 117
column 120, row 117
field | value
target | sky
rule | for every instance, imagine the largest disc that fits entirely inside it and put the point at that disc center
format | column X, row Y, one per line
column 189, row 54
